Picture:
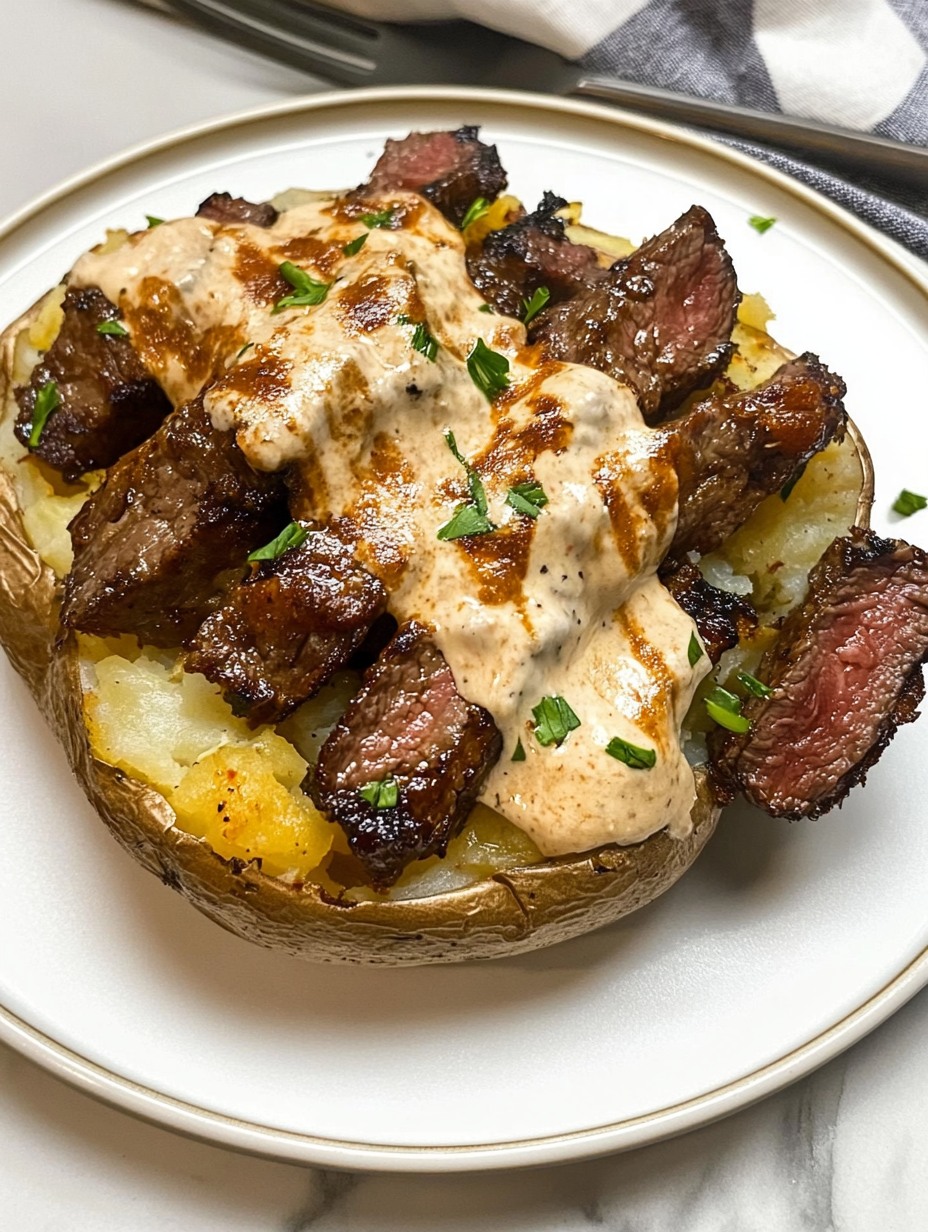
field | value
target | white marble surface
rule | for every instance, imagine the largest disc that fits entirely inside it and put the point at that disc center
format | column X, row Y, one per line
column 846, row 1149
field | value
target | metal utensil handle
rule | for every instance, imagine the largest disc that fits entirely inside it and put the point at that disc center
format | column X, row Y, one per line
column 859, row 152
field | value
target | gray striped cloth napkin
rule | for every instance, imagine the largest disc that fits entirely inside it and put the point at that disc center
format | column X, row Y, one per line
column 862, row 64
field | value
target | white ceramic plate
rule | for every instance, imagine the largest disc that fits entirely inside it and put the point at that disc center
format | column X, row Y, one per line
column 785, row 943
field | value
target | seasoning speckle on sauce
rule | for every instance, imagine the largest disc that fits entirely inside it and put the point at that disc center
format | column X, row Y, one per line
column 563, row 604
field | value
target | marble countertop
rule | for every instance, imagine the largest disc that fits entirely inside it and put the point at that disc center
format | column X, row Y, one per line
column 845, row 1149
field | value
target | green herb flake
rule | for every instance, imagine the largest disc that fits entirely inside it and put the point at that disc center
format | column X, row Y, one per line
column 907, row 503
column 466, row 520
column 423, row 342
column 554, row 720
column 381, row 794
column 534, row 305
column 527, row 498
column 477, row 208
column 291, row 536
column 635, row 757
column 753, row 685
column 380, row 220
column 760, row 224
column 241, row 351
column 307, row 291
column 724, row 708
column 694, row 651
column 488, row 370
column 115, row 329
column 786, row 490
column 519, row 752
column 470, row 518
column 353, row 247
column 477, row 492
column 153, row 221
column 487, row 308
column 47, row 400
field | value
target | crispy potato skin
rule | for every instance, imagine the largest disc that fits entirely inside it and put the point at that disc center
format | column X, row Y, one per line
column 510, row 913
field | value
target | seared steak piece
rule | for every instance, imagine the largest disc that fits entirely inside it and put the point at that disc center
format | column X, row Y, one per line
column 533, row 252
column 845, row 672
column 409, row 726
column 732, row 450
column 721, row 617
column 108, row 401
column 450, row 169
column 221, row 207
column 284, row 629
column 172, row 514
column 661, row 320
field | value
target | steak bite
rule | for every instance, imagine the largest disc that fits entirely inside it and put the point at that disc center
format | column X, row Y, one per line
column 845, row 672
column 172, row 514
column 721, row 617
column 108, row 401
column 287, row 626
column 732, row 450
column 660, row 321
column 229, row 210
column 410, row 727
column 449, row 169
column 533, row 252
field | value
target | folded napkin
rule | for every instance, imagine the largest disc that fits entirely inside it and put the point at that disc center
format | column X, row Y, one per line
column 861, row 64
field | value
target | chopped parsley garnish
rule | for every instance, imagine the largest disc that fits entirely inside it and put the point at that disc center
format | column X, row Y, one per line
column 487, row 308
column 632, row 755
column 470, row 518
column 527, row 498
column 760, row 224
column 306, row 290
column 477, row 208
column 353, row 247
column 466, row 520
column 381, row 794
column 753, row 685
column 488, row 370
column 291, row 536
column 725, row 709
column 383, row 218
column 423, row 341
column 694, row 651
column 47, row 400
column 518, row 752
column 153, row 221
column 554, row 720
column 115, row 329
column 533, row 306
column 791, row 482
column 907, row 503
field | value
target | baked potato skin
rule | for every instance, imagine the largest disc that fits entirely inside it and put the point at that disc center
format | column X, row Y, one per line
column 507, row 914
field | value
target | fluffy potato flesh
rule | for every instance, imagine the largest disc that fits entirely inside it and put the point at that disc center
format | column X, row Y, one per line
column 246, row 802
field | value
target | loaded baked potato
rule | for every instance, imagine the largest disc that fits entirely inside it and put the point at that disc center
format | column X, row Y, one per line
column 371, row 555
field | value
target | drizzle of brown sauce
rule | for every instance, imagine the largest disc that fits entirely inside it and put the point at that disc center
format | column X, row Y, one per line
column 367, row 305
column 500, row 561
column 323, row 255
column 259, row 274
column 651, row 709
column 659, row 497
column 406, row 212
column 263, row 377
column 385, row 511
column 163, row 333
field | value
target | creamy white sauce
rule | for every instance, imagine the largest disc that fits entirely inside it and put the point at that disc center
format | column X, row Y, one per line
column 568, row 604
